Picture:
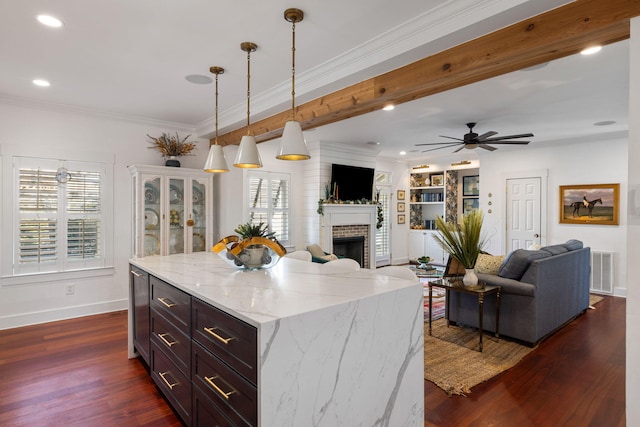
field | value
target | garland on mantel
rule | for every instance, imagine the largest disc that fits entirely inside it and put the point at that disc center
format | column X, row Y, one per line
column 380, row 215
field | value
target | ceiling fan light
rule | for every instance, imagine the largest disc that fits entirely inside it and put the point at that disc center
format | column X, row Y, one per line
column 216, row 162
column 248, row 155
column 293, row 146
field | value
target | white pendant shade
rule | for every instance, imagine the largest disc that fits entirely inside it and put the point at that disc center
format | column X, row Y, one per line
column 248, row 155
column 293, row 145
column 216, row 161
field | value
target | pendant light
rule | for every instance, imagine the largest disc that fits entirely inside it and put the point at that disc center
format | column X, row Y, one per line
column 216, row 161
column 248, row 155
column 293, row 145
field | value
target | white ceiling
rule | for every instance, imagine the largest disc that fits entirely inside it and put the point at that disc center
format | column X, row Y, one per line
column 129, row 59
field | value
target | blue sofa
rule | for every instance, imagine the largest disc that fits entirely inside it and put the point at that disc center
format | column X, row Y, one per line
column 542, row 290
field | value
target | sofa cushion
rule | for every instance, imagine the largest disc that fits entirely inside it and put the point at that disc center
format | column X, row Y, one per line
column 573, row 244
column 555, row 249
column 316, row 251
column 489, row 264
column 518, row 261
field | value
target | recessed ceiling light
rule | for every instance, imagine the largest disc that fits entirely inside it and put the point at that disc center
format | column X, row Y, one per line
column 388, row 107
column 41, row 83
column 199, row 79
column 604, row 123
column 591, row 50
column 49, row 21
column 403, row 153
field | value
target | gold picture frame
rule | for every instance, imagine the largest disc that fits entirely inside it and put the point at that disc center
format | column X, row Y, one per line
column 596, row 204
column 401, row 206
column 437, row 180
column 401, row 219
column 401, row 194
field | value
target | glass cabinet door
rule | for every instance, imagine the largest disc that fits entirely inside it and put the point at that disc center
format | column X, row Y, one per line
column 198, row 217
column 177, row 217
column 152, row 215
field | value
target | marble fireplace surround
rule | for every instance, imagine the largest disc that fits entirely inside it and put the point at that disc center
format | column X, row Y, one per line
column 347, row 220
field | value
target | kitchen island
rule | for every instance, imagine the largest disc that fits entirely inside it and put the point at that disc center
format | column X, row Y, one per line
column 330, row 348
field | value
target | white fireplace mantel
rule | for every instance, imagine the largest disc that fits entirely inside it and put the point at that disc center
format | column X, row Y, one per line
column 349, row 214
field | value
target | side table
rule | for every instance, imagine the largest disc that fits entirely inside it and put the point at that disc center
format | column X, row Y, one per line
column 448, row 286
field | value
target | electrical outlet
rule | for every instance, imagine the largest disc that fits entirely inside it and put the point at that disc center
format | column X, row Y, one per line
column 70, row 289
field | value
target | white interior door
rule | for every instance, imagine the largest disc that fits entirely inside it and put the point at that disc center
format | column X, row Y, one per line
column 523, row 213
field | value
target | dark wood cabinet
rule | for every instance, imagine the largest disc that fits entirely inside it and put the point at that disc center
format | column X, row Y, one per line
column 203, row 360
column 139, row 288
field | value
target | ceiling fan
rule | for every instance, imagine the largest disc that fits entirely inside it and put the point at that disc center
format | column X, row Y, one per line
column 472, row 140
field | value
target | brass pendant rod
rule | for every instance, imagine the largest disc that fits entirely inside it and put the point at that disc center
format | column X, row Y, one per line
column 293, row 70
column 217, row 71
column 248, row 47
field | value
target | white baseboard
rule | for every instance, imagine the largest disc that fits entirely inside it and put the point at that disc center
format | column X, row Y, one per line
column 34, row 318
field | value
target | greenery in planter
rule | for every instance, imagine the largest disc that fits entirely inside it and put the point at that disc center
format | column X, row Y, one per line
column 248, row 230
column 462, row 241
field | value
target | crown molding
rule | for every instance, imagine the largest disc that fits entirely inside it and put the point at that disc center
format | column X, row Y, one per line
column 71, row 109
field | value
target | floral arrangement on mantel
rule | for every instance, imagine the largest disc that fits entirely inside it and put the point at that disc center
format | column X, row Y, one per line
column 172, row 146
column 329, row 199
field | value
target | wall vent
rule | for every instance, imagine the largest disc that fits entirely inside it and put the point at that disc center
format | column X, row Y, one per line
column 602, row 272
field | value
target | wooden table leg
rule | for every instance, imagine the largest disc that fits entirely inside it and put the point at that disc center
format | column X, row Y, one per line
column 430, row 306
column 497, row 313
column 480, row 317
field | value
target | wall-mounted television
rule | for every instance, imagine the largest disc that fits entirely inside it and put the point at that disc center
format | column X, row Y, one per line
column 351, row 182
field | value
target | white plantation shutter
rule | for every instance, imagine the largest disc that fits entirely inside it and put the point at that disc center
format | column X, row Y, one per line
column 269, row 203
column 59, row 227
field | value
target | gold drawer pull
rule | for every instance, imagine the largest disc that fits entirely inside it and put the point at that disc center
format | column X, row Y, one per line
column 167, row 304
column 135, row 273
column 171, row 386
column 162, row 337
column 218, row 389
column 218, row 337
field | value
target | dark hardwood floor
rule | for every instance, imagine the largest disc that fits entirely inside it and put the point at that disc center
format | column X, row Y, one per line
column 76, row 373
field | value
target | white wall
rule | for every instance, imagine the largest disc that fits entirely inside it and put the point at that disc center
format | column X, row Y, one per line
column 633, row 234
column 63, row 135
column 599, row 162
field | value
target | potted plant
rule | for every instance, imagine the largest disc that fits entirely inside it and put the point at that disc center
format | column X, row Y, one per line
column 255, row 254
column 463, row 242
column 172, row 147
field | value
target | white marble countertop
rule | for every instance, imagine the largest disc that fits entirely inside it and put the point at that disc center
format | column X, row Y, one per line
column 290, row 288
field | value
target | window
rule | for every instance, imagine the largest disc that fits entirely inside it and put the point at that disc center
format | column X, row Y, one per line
column 60, row 225
column 383, row 190
column 268, row 202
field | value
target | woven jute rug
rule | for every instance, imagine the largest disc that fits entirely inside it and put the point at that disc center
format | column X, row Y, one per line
column 452, row 360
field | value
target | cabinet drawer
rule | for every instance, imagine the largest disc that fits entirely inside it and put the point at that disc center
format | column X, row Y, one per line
column 175, row 343
column 236, row 397
column 208, row 414
column 175, row 386
column 232, row 340
column 174, row 304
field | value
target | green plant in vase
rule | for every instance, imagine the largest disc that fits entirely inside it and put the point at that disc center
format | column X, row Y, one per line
column 463, row 242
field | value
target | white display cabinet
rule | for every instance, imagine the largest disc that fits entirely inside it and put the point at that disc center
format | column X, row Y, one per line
column 172, row 210
column 422, row 243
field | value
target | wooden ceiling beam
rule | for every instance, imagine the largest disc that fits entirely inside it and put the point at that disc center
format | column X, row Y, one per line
column 554, row 34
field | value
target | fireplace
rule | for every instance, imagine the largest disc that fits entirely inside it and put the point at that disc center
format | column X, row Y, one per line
column 347, row 221
column 350, row 247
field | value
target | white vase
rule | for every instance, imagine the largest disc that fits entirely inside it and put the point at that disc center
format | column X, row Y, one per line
column 470, row 279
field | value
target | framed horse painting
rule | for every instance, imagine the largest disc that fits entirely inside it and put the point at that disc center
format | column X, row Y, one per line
column 597, row 204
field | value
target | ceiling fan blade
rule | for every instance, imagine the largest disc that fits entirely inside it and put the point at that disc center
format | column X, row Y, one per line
column 510, row 142
column 450, row 137
column 500, row 138
column 439, row 143
column 487, row 147
column 485, row 135
column 459, row 149
column 438, row 148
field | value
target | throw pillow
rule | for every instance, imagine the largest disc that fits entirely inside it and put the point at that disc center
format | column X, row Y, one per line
column 573, row 244
column 518, row 261
column 555, row 249
column 489, row 264
column 316, row 251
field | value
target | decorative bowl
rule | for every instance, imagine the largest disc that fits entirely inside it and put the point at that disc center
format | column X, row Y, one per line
column 250, row 254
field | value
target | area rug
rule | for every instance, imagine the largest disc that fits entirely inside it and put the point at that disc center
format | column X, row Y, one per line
column 438, row 302
column 452, row 360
